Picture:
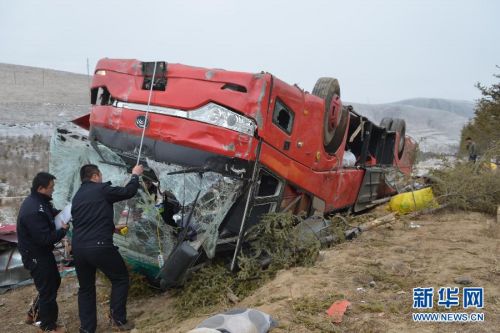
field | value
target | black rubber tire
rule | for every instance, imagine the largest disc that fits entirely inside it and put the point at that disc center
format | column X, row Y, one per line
column 399, row 126
column 327, row 88
column 340, row 130
column 386, row 123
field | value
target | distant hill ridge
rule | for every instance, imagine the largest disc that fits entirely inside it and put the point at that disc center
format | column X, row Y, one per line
column 462, row 108
column 435, row 130
column 31, row 95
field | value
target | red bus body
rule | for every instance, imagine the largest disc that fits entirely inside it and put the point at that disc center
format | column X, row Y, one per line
column 305, row 165
column 272, row 136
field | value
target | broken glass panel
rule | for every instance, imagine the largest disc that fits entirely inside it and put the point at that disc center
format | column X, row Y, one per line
column 217, row 194
column 69, row 151
column 151, row 237
column 148, row 236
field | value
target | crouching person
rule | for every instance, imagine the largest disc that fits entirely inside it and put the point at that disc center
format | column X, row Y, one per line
column 92, row 244
column 37, row 235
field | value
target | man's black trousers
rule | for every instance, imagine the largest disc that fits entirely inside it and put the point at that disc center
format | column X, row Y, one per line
column 109, row 261
column 47, row 281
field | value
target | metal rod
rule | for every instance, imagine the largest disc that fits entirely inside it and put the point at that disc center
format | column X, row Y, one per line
column 381, row 201
column 88, row 74
column 247, row 204
column 290, row 205
column 147, row 113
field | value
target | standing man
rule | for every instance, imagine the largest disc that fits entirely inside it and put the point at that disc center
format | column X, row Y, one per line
column 471, row 149
column 37, row 234
column 93, row 228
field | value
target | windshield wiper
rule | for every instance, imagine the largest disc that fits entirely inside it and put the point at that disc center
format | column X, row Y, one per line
column 191, row 170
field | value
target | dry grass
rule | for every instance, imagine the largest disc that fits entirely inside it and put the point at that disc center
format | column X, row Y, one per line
column 275, row 238
column 21, row 158
column 309, row 313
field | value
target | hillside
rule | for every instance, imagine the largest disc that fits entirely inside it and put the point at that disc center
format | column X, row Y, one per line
column 376, row 273
column 31, row 95
column 436, row 130
column 461, row 108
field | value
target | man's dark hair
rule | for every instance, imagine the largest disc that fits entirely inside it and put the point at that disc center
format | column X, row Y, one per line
column 468, row 138
column 87, row 171
column 42, row 179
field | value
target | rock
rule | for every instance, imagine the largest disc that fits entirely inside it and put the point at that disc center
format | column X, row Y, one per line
column 372, row 284
column 364, row 279
column 400, row 268
column 465, row 280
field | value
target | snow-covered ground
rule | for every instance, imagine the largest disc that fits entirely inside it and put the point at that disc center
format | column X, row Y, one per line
column 434, row 123
column 27, row 129
column 423, row 167
column 431, row 140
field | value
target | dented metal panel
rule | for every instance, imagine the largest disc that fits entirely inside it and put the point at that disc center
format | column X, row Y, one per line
column 185, row 83
column 12, row 271
column 174, row 130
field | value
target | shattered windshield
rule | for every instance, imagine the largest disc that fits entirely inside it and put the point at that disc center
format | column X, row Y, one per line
column 159, row 211
column 217, row 195
column 69, row 151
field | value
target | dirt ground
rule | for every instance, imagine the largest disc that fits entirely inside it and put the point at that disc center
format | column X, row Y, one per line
column 375, row 272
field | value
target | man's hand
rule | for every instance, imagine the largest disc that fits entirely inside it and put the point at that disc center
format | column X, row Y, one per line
column 64, row 226
column 138, row 170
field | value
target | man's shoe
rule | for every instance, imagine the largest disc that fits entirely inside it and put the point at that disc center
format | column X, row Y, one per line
column 58, row 329
column 116, row 327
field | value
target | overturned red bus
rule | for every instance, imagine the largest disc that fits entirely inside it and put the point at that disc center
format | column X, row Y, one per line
column 287, row 149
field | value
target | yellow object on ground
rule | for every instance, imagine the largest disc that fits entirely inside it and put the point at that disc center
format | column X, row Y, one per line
column 124, row 231
column 405, row 203
column 121, row 229
column 492, row 166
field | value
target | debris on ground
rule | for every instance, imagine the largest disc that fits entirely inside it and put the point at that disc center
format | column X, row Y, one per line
column 408, row 202
column 277, row 245
column 464, row 280
column 240, row 321
column 12, row 272
column 337, row 310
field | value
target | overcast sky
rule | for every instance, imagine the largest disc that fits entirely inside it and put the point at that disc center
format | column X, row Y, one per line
column 381, row 51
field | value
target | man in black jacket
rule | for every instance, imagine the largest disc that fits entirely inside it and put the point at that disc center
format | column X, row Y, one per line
column 92, row 244
column 471, row 148
column 37, row 234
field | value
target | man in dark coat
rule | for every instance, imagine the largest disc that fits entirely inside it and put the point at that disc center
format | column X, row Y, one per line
column 471, row 149
column 92, row 244
column 37, row 234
